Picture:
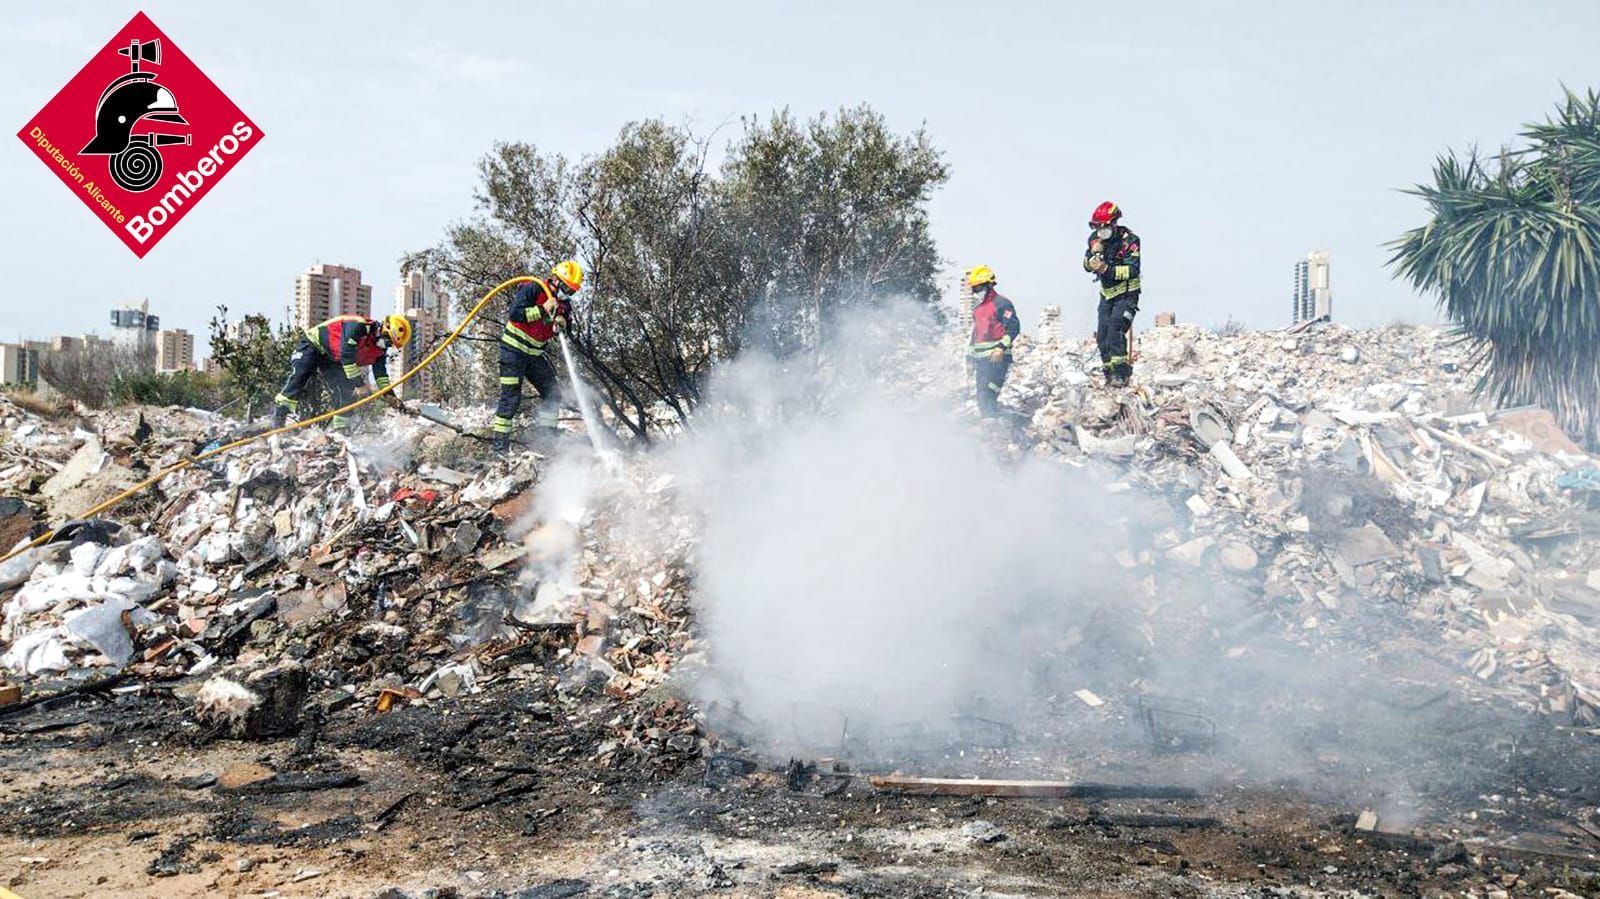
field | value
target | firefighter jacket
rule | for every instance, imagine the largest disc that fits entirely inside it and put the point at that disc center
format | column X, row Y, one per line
column 353, row 342
column 533, row 316
column 994, row 324
column 1121, row 254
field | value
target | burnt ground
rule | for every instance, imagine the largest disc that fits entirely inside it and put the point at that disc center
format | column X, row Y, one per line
column 518, row 791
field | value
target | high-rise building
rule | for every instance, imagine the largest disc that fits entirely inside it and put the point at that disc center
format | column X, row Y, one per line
column 425, row 332
column 19, row 364
column 964, row 304
column 1312, row 297
column 324, row 291
column 174, row 351
column 418, row 291
column 134, row 328
column 419, row 299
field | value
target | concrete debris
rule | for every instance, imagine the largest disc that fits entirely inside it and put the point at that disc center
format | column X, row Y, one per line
column 253, row 704
column 396, row 582
column 1353, row 476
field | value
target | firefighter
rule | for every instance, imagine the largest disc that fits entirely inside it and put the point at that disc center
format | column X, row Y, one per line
column 539, row 309
column 1113, row 257
column 994, row 327
column 339, row 349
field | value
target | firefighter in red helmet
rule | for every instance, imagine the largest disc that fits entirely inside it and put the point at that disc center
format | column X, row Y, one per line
column 1112, row 256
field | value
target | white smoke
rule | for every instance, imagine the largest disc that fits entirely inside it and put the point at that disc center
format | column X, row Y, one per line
column 877, row 571
column 868, row 559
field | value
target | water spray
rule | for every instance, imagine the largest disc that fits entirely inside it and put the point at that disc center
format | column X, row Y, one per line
column 591, row 419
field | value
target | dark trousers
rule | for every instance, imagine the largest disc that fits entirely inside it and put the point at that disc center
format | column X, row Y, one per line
column 989, row 377
column 1116, row 320
column 516, row 366
column 308, row 360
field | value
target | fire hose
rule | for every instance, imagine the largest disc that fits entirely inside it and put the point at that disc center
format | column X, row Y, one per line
column 140, row 487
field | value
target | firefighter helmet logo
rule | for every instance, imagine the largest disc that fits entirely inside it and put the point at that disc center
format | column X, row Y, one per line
column 140, row 162
column 127, row 101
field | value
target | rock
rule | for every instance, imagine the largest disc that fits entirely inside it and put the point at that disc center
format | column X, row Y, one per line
column 1193, row 552
column 1350, row 354
column 981, row 831
column 463, row 539
column 1236, row 556
column 87, row 480
column 1364, row 545
column 253, row 704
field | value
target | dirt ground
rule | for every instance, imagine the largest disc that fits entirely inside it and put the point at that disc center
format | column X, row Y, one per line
column 502, row 794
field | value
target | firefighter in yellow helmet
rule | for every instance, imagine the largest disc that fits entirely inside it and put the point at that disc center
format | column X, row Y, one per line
column 994, row 327
column 539, row 309
column 338, row 350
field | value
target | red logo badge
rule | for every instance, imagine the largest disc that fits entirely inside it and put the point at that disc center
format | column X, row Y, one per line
column 140, row 134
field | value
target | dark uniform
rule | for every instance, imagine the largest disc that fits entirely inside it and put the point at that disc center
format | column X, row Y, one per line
column 1119, row 298
column 338, row 349
column 531, row 320
column 994, row 326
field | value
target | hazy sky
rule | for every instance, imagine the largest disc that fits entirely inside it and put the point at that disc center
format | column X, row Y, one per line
column 1236, row 135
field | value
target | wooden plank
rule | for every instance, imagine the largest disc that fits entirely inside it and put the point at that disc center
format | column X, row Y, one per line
column 1470, row 447
column 1038, row 789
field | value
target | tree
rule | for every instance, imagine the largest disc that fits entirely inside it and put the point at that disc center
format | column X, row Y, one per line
column 685, row 266
column 1510, row 251
column 90, row 373
column 830, row 215
column 255, row 358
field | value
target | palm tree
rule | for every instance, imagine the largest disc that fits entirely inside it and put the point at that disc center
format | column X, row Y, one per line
column 1511, row 254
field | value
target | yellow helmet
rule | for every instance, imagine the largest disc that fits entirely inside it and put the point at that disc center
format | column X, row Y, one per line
column 569, row 273
column 398, row 327
column 980, row 276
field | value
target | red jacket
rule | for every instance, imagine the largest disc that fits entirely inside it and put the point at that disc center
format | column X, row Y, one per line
column 994, row 324
column 352, row 341
column 528, row 326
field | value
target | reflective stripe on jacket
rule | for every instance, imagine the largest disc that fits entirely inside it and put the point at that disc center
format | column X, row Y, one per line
column 529, row 326
column 352, row 341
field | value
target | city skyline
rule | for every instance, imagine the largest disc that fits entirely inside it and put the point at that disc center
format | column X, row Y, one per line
column 1251, row 156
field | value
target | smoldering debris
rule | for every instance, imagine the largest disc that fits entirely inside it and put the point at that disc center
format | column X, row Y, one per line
column 876, row 570
column 841, row 562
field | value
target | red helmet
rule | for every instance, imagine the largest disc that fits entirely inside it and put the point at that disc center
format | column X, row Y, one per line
column 1106, row 213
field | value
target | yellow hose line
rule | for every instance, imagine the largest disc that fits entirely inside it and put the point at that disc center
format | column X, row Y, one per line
column 140, row 487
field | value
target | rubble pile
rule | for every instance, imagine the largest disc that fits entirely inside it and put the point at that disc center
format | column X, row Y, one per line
column 312, row 570
column 1346, row 481
column 1343, row 476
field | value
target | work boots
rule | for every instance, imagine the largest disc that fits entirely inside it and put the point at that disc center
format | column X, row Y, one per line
column 280, row 416
column 502, row 442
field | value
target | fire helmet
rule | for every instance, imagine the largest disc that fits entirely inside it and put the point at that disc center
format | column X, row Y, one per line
column 569, row 273
column 1105, row 214
column 980, row 276
column 398, row 327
